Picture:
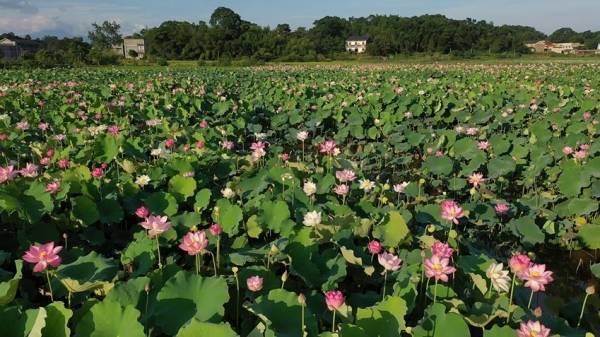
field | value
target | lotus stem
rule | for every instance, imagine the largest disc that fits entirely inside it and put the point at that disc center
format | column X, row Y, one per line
column 214, row 262
column 510, row 298
column 49, row 285
column 582, row 309
column 333, row 322
column 302, row 317
column 384, row 283
column 218, row 254
column 158, row 251
column 197, row 262
column 530, row 298
column 435, row 291
column 237, row 297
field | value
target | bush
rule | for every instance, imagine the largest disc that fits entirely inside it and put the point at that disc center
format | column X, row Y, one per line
column 161, row 61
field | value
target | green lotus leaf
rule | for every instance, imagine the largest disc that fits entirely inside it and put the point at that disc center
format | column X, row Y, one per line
column 182, row 187
column 198, row 328
column 106, row 149
column 202, row 199
column 108, row 318
column 275, row 215
column 497, row 331
column 385, row 319
column 57, row 320
column 187, row 295
column 161, row 203
column 281, row 312
column 89, row 272
column 85, row 210
column 441, row 166
column 8, row 289
column 590, row 235
column 393, row 231
column 228, row 216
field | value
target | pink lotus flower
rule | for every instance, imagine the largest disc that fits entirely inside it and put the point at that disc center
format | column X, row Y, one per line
column 53, row 187
column 580, row 155
column 442, row 250
column 519, row 264
column 199, row 144
column 43, row 126
column 334, row 299
column 483, row 145
column 7, row 173
column 345, row 175
column 537, row 277
column 342, row 189
column 472, row 131
column 374, row 247
column 257, row 146
column 203, row 124
column 142, row 212
column 45, row 161
column 451, row 211
column 114, row 130
column 215, row 229
column 532, row 329
column 285, row 156
column 399, row 188
column 438, row 268
column 584, row 147
column 64, row 163
column 476, row 179
column 567, row 150
column 156, row 225
column 43, row 255
column 97, row 172
column 227, row 145
column 329, row 147
column 389, row 261
column 194, row 242
column 170, row 143
column 587, row 116
column 254, row 283
column 501, row 208
column 30, row 171
column 23, row 125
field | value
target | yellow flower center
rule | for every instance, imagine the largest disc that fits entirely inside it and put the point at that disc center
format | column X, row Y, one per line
column 437, row 267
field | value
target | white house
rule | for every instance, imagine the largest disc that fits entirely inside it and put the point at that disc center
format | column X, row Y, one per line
column 357, row 44
column 130, row 48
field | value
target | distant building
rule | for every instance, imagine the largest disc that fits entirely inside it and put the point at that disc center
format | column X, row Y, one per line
column 551, row 47
column 15, row 48
column 129, row 47
column 357, row 44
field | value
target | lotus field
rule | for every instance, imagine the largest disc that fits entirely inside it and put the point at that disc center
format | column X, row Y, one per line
column 364, row 201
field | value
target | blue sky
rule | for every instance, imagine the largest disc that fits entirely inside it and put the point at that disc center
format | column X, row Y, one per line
column 73, row 17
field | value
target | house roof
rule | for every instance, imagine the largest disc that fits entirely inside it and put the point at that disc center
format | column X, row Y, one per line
column 358, row 38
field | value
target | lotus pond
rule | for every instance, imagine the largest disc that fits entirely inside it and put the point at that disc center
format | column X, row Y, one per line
column 362, row 201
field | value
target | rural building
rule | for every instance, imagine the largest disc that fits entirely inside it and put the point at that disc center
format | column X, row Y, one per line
column 15, row 48
column 357, row 44
column 129, row 47
column 551, row 47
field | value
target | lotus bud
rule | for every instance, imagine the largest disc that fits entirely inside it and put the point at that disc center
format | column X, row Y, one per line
column 274, row 250
column 234, row 270
column 386, row 186
column 284, row 276
column 431, row 228
column 591, row 290
column 65, row 236
column 147, row 288
column 538, row 312
column 421, row 181
column 302, row 299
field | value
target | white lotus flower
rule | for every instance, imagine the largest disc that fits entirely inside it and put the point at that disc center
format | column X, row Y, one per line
column 227, row 193
column 498, row 276
column 310, row 188
column 142, row 180
column 366, row 185
column 302, row 135
column 312, row 219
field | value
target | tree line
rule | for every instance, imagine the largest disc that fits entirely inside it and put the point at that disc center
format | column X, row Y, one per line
column 226, row 36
